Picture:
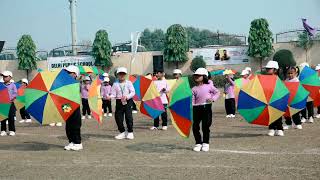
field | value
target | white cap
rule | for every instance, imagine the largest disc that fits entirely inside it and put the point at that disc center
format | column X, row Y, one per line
column 304, row 64
column 122, row 70
column 1, row 80
column 272, row 64
column 24, row 80
column 177, row 71
column 318, row 67
column 244, row 72
column 7, row 73
column 248, row 69
column 73, row 69
column 201, row 71
column 87, row 78
column 106, row 79
column 105, row 75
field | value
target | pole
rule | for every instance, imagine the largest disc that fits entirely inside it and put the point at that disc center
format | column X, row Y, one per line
column 73, row 25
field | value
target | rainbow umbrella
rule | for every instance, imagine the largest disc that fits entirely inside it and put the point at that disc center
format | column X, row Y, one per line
column 180, row 106
column 239, row 83
column 20, row 101
column 263, row 100
column 310, row 81
column 86, row 70
column 95, row 101
column 147, row 97
column 297, row 98
column 5, row 103
column 220, row 72
column 52, row 97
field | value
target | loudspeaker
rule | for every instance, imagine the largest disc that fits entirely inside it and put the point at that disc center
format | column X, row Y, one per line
column 158, row 63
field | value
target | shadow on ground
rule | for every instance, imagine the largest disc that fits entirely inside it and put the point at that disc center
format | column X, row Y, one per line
column 30, row 146
column 155, row 148
column 234, row 135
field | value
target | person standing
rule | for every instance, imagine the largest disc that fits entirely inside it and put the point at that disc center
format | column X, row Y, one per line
column 106, row 97
column 25, row 117
column 84, row 97
column 230, row 102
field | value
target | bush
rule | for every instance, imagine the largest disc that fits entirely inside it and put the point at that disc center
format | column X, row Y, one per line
column 284, row 58
column 197, row 62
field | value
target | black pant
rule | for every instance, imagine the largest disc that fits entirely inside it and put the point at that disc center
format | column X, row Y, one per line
column 24, row 114
column 85, row 107
column 230, row 106
column 309, row 109
column 73, row 127
column 134, row 107
column 106, row 104
column 276, row 125
column 318, row 109
column 202, row 114
column 124, row 112
column 164, row 118
column 10, row 120
column 295, row 118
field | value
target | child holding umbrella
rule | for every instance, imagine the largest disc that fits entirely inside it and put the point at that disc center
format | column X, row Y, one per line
column 24, row 114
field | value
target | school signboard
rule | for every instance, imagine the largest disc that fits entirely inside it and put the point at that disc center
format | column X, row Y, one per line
column 222, row 55
column 61, row 62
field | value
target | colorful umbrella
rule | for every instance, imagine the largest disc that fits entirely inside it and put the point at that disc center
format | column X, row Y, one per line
column 297, row 98
column 4, row 102
column 310, row 81
column 19, row 102
column 220, row 72
column 52, row 97
column 263, row 100
column 86, row 70
column 147, row 97
column 239, row 83
column 171, row 82
column 180, row 106
column 95, row 101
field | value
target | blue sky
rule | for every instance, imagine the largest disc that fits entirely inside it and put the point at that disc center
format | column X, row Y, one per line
column 48, row 21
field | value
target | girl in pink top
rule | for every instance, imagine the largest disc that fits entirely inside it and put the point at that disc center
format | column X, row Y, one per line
column 106, row 97
column 85, row 86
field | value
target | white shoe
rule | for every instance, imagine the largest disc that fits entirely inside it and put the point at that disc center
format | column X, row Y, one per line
column 228, row 116
column 130, row 136
column 279, row 133
column 105, row 114
column 164, row 128
column 110, row 114
column 197, row 147
column 153, row 128
column 22, row 121
column 12, row 133
column 83, row 117
column 76, row 147
column 28, row 121
column 318, row 116
column 232, row 116
column 303, row 120
column 52, row 124
column 121, row 136
column 205, row 147
column 7, row 122
column 134, row 112
column 298, row 126
column 68, row 147
column 271, row 132
column 59, row 124
column 15, row 118
column 89, row 117
column 285, row 127
column 3, row 133
column 310, row 120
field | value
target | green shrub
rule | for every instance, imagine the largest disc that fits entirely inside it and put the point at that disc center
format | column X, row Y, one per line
column 197, row 62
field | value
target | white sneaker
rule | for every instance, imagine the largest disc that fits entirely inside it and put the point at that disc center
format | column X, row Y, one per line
column 197, row 147
column 22, row 121
column 15, row 118
column 298, row 126
column 228, row 116
column 232, row 116
column 205, row 147
column 89, row 117
column 279, row 133
column 52, row 124
column 310, row 120
column 110, row 114
column 83, row 117
column 3, row 133
column 153, row 128
column 68, row 147
column 121, row 136
column 271, row 132
column 285, row 127
column 59, row 124
column 7, row 122
column 303, row 120
column 76, row 147
column 134, row 111
column 28, row 121
column 318, row 116
column 164, row 128
column 130, row 136
column 105, row 114
column 12, row 133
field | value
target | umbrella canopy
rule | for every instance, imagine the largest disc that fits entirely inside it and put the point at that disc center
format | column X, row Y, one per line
column 4, row 102
column 297, row 98
column 180, row 106
column 52, row 97
column 171, row 82
column 95, row 101
column 310, row 81
column 86, row 70
column 147, row 97
column 20, row 101
column 220, row 72
column 239, row 83
column 263, row 100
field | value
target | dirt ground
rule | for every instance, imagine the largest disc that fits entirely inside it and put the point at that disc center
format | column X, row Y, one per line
column 238, row 150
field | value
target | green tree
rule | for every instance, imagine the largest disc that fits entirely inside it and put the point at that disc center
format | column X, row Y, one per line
column 26, row 51
column 260, row 40
column 285, row 58
column 305, row 42
column 101, row 49
column 153, row 40
column 197, row 62
column 176, row 45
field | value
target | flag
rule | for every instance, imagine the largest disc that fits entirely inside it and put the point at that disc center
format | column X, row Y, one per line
column 311, row 31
